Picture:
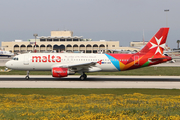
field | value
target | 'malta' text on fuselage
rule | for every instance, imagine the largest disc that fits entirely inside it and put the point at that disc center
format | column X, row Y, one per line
column 48, row 58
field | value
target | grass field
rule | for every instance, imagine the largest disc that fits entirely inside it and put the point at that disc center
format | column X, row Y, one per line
column 78, row 104
column 164, row 71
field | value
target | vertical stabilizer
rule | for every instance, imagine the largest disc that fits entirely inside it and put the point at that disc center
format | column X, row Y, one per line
column 157, row 43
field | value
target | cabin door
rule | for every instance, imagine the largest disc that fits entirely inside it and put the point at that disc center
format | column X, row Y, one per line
column 26, row 59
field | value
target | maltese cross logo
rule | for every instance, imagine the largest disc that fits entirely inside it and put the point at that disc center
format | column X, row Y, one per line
column 100, row 62
column 158, row 45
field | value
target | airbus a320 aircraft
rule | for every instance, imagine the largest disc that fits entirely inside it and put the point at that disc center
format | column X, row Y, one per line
column 64, row 64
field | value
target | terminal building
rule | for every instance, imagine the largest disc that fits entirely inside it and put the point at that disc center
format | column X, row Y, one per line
column 138, row 44
column 63, row 41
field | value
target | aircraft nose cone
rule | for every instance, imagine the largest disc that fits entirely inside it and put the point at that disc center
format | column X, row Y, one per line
column 8, row 64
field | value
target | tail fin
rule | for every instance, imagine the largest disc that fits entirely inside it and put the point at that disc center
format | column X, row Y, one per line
column 157, row 43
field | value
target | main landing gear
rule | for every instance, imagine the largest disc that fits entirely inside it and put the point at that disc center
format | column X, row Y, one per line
column 83, row 76
column 27, row 76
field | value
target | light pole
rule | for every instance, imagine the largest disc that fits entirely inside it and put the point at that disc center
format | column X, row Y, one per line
column 166, row 10
column 35, row 35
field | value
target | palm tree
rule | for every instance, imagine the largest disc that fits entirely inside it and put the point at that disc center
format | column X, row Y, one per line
column 178, row 41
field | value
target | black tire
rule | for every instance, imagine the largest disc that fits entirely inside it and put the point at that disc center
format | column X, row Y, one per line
column 82, row 77
column 27, row 77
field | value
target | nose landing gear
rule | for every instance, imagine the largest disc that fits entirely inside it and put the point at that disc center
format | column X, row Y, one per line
column 27, row 76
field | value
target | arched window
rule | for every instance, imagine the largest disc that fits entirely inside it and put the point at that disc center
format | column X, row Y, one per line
column 49, row 45
column 75, row 45
column 101, row 45
column 95, row 45
column 62, row 47
column 23, row 46
column 29, row 46
column 42, row 46
column 16, row 45
column 82, row 45
column 36, row 45
column 68, row 45
column 55, row 47
column 88, row 45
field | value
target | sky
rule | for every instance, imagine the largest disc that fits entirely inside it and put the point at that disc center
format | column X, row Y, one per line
column 117, row 20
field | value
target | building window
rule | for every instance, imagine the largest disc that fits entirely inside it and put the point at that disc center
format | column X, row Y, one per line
column 95, row 45
column 101, row 45
column 113, row 45
column 49, row 45
column 75, row 39
column 82, row 45
column 75, row 45
column 49, row 39
column 29, row 46
column 94, row 51
column 16, row 46
column 88, row 51
column 62, row 39
column 42, row 40
column 36, row 45
column 23, row 46
column 68, row 45
column 69, row 39
column 56, row 39
column 88, row 45
column 42, row 46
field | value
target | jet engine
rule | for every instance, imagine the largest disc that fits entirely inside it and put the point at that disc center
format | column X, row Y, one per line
column 61, row 72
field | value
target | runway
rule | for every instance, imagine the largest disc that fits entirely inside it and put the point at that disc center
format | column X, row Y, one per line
column 161, row 82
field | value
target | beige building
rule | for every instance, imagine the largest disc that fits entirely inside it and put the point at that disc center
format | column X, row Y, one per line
column 62, row 41
column 137, row 44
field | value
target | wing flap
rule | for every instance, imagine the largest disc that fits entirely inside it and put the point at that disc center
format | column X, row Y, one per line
column 79, row 65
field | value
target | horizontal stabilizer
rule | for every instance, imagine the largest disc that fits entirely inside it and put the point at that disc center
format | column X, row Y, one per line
column 156, row 59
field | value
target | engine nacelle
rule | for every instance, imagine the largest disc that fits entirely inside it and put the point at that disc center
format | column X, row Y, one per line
column 61, row 72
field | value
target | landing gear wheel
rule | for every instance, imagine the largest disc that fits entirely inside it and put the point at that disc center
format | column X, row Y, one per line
column 27, row 77
column 83, row 77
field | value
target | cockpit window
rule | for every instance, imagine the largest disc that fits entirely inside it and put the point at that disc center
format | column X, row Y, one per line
column 15, row 58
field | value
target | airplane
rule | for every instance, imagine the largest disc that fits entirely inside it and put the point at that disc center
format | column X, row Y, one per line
column 6, row 53
column 64, row 64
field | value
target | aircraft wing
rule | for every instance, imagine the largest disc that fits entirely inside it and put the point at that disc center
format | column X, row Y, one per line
column 79, row 67
column 89, row 64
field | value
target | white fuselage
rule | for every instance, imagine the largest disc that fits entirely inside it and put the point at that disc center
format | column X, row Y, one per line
column 46, row 61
